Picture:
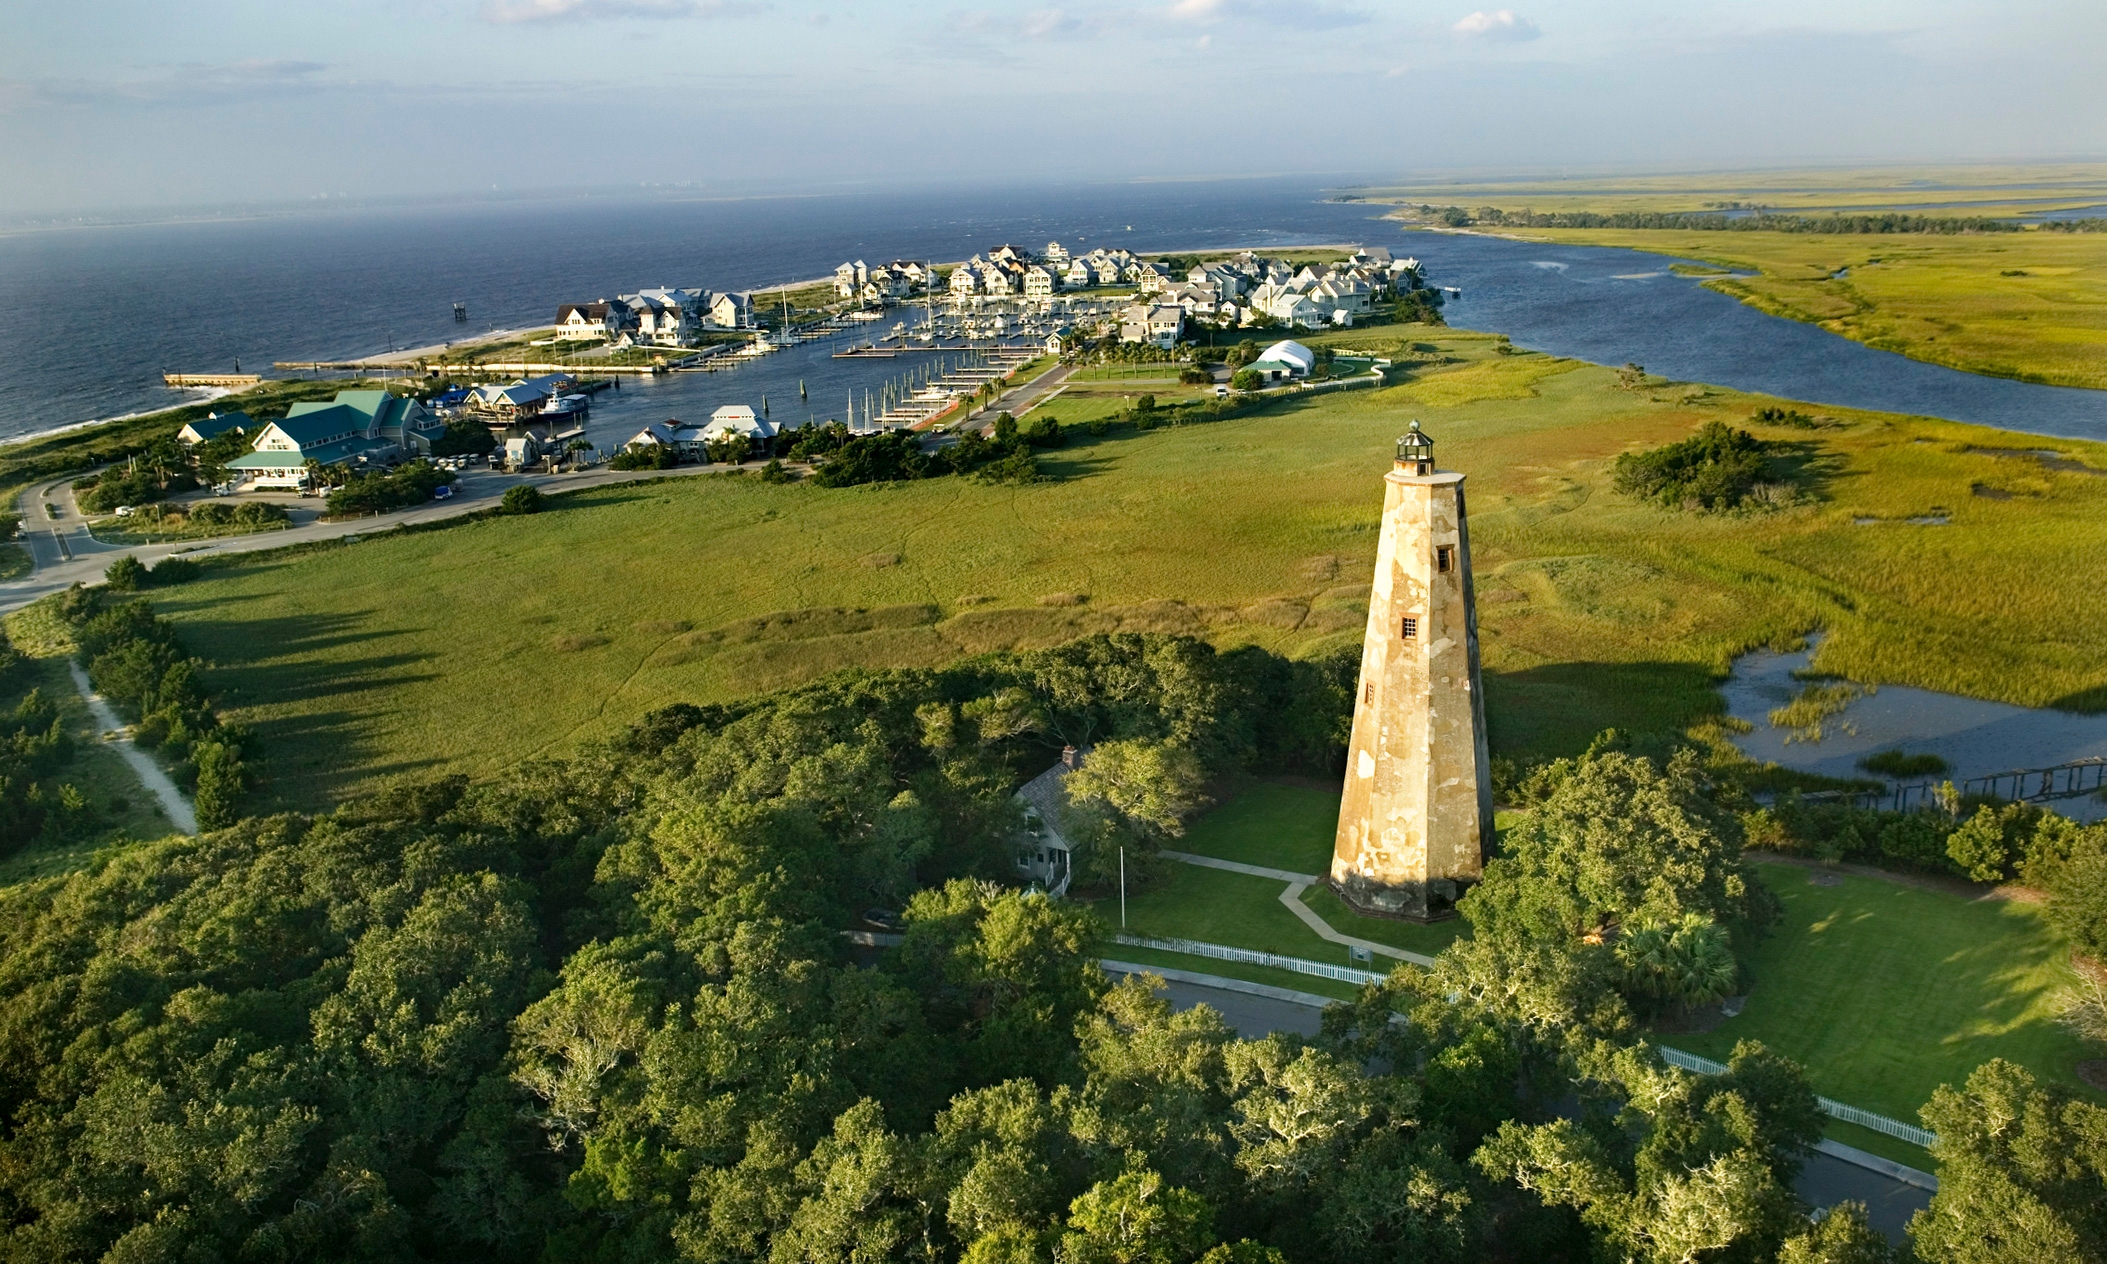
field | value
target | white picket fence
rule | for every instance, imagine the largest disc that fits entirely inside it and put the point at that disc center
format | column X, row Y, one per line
column 1834, row 1109
column 1347, row 974
column 1222, row 952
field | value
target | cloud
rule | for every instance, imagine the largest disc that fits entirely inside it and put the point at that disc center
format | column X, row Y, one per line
column 1308, row 15
column 1503, row 26
column 509, row 12
column 1049, row 22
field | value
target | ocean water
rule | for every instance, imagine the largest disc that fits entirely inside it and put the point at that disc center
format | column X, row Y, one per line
column 101, row 312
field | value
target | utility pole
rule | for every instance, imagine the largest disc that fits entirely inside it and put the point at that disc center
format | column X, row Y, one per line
column 1122, row 888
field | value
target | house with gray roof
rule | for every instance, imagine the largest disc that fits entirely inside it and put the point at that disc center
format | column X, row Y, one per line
column 212, row 426
column 1044, row 856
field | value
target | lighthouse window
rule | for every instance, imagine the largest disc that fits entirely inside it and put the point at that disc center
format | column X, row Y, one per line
column 1410, row 627
column 1445, row 558
column 1368, row 692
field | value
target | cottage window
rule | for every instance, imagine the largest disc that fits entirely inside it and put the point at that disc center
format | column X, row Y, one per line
column 1445, row 558
column 1409, row 627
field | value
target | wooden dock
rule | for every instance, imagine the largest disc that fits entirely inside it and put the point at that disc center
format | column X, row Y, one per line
column 211, row 379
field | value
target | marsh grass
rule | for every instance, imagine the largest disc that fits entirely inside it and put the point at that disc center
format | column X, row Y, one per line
column 2028, row 305
column 430, row 651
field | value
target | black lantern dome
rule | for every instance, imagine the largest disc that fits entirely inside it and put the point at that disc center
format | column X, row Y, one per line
column 1415, row 451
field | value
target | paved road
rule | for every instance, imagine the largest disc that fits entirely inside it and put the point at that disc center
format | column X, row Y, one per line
column 1824, row 1181
column 1017, row 399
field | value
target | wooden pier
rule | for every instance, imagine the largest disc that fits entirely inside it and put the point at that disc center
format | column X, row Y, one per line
column 211, row 379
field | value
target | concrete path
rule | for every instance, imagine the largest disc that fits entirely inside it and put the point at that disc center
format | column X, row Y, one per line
column 1297, row 883
column 150, row 775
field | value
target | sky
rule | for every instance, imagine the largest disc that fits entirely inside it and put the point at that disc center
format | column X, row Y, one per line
column 143, row 103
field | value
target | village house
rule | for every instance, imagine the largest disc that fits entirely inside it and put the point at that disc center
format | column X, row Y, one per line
column 666, row 318
column 358, row 428
column 212, row 426
column 1080, row 275
column 521, row 399
column 1009, row 254
column 850, row 277
column 1055, row 253
column 595, row 321
column 1158, row 324
column 685, row 442
column 739, row 419
column 1045, row 857
column 1040, row 282
column 731, row 311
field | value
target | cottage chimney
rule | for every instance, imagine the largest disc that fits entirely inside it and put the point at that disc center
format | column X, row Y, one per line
column 1069, row 759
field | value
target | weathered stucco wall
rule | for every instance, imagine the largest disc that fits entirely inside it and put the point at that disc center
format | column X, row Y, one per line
column 1417, row 810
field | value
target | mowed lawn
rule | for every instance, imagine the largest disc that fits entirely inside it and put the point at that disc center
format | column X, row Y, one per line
column 472, row 647
column 1885, row 991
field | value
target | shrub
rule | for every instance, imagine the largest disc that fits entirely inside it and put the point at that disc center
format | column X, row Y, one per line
column 524, row 499
column 1044, row 432
column 646, row 456
column 412, row 484
column 1716, row 468
column 1776, row 416
column 1246, row 380
column 1894, row 763
column 895, row 456
column 126, row 574
column 773, row 472
column 175, row 570
column 1194, row 375
column 222, row 777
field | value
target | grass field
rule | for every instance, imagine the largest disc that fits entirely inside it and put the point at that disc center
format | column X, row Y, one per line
column 471, row 646
column 1885, row 991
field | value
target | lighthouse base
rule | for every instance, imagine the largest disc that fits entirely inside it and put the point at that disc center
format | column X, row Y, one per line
column 1433, row 900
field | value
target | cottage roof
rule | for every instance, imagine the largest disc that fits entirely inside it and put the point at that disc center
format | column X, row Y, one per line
column 213, row 425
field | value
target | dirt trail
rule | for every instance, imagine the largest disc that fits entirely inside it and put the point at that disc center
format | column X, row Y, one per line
column 150, row 775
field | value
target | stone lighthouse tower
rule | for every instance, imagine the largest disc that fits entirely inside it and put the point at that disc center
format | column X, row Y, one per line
column 1417, row 810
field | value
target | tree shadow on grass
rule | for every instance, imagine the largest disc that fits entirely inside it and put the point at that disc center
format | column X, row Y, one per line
column 279, row 676
column 1810, row 467
column 1556, row 709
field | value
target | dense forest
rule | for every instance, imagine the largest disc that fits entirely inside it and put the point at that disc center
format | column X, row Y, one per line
column 601, row 1009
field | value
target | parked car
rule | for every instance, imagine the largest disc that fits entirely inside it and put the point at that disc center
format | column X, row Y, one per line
column 124, row 511
column 442, row 493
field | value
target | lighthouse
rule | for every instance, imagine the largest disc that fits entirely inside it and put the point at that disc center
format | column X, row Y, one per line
column 1416, row 814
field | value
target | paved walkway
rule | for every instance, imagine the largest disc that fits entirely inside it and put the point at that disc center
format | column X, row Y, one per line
column 1291, row 896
